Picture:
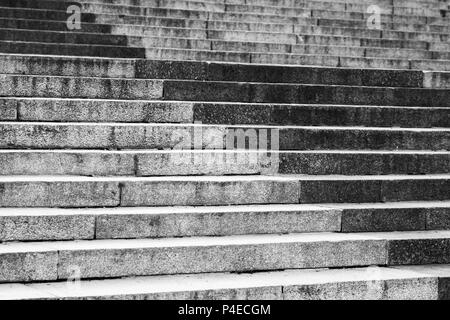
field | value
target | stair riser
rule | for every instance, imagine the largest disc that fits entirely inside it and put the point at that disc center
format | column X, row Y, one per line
column 237, row 41
column 395, row 289
column 148, row 69
column 101, row 263
column 137, row 164
column 258, row 93
column 94, row 88
column 71, row 50
column 149, row 47
column 170, row 112
column 93, row 226
column 329, row 191
column 248, row 7
column 307, row 115
column 178, row 260
column 24, row 86
column 223, row 56
column 92, row 11
column 362, row 164
column 161, row 164
column 92, row 136
column 191, row 28
column 158, row 193
column 182, row 193
column 382, row 220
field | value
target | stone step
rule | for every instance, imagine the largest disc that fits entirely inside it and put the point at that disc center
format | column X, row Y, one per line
column 77, row 191
column 407, row 15
column 301, row 93
column 80, row 87
column 182, row 163
column 197, row 70
column 314, row 55
column 201, row 20
column 50, row 224
column 49, row 25
column 39, row 48
column 369, row 283
column 214, row 27
column 126, row 223
column 386, row 5
column 298, row 59
column 216, row 91
column 388, row 26
column 232, row 41
column 50, row 135
column 251, row 26
column 133, row 111
column 393, row 216
column 92, row 13
column 321, row 57
column 252, row 6
column 157, row 26
column 49, row 261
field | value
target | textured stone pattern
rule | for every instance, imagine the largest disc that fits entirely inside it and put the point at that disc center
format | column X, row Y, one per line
column 253, row 149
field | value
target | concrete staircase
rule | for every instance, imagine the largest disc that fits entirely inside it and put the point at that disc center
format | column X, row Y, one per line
column 233, row 149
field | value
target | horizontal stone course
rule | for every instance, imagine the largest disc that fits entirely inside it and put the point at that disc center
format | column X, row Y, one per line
column 77, row 87
column 409, row 282
column 74, row 110
column 236, row 253
column 38, row 224
column 277, row 93
column 181, row 137
column 179, row 163
column 59, row 194
column 98, row 128
column 374, row 189
column 148, row 69
column 209, row 190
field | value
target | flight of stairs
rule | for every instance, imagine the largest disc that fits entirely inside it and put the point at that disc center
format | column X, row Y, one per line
column 224, row 149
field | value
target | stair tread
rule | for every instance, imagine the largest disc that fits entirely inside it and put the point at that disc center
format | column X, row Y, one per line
column 6, row 212
column 234, row 240
column 217, row 281
column 281, row 177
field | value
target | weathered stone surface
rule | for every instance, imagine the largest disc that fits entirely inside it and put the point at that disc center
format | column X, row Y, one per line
column 205, row 163
column 395, row 219
column 436, row 80
column 25, row 266
column 438, row 218
column 8, row 110
column 415, row 189
column 73, row 87
column 329, row 191
column 110, row 136
column 353, row 108
column 419, row 251
column 187, row 192
column 58, row 194
column 275, row 74
column 153, row 257
column 103, row 111
column 67, row 163
column 16, row 225
column 395, row 289
column 290, row 93
column 301, row 138
column 369, row 163
column 176, row 222
column 67, row 66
